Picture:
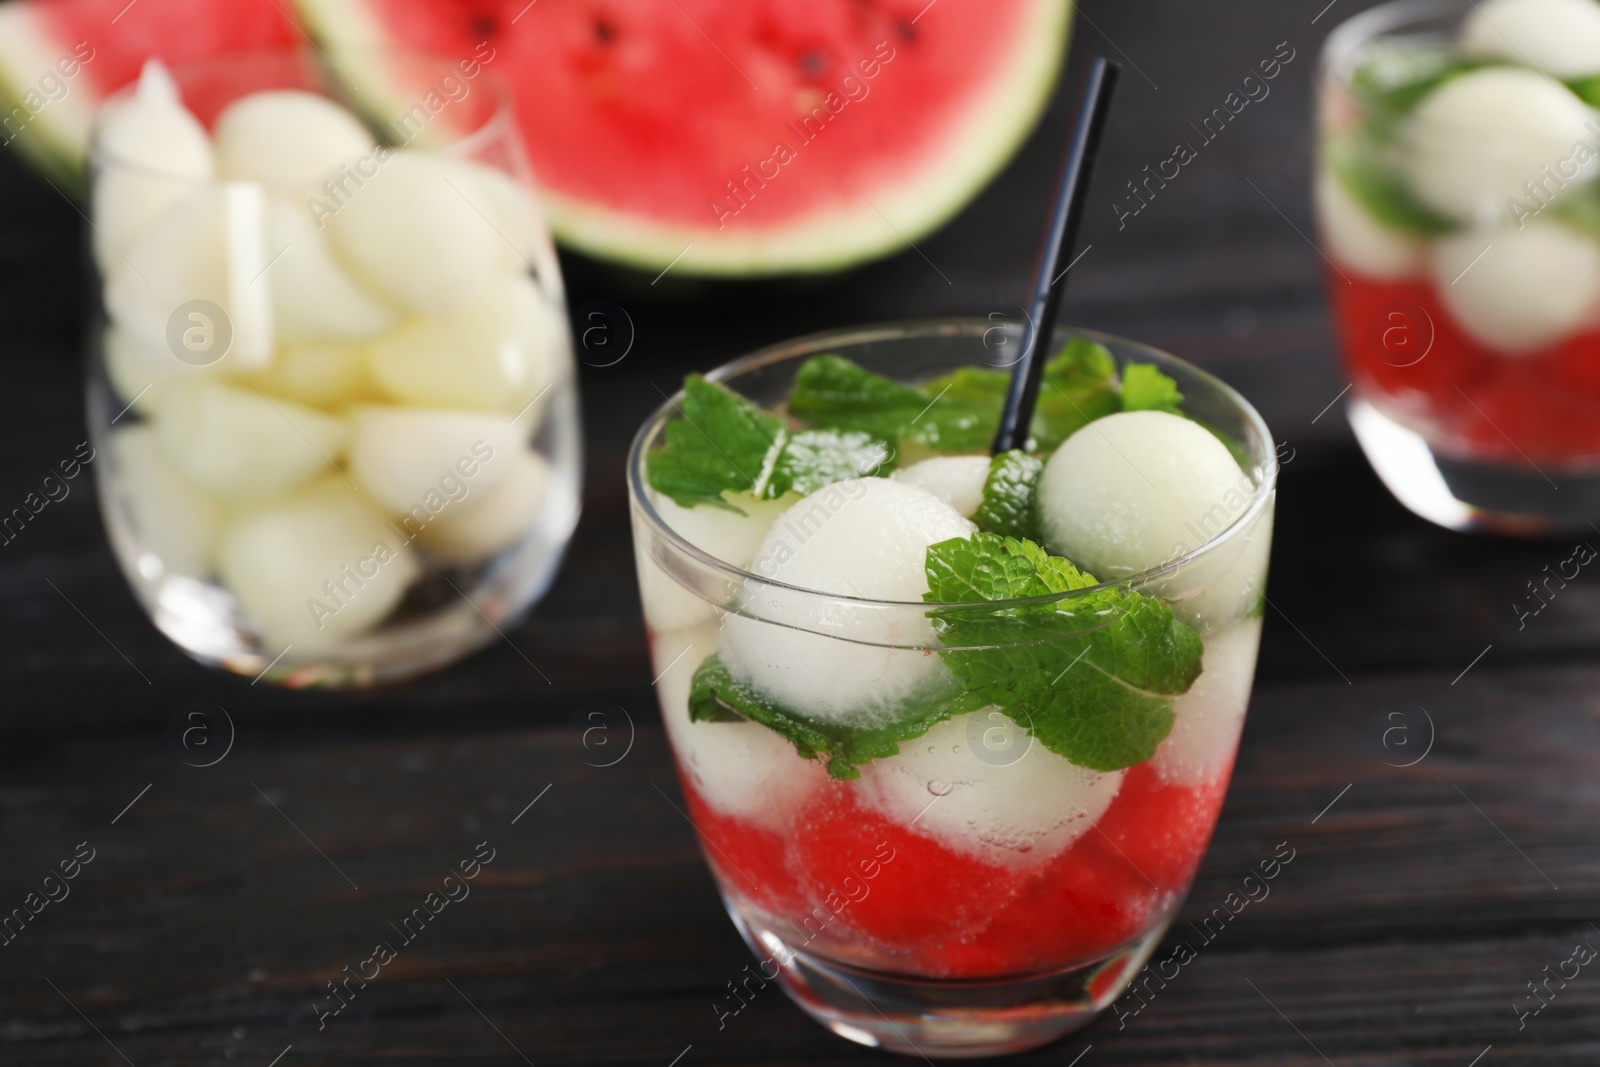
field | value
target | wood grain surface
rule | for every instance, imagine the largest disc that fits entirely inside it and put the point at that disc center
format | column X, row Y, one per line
column 1421, row 901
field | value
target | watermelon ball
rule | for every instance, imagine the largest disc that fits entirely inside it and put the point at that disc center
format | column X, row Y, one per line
column 489, row 521
column 1207, row 719
column 862, row 538
column 410, row 235
column 406, row 458
column 288, row 140
column 497, row 355
column 1160, row 829
column 1559, row 37
column 277, row 560
column 153, row 153
column 1472, row 142
column 1519, row 290
column 957, row 480
column 241, row 447
column 174, row 524
column 752, row 861
column 1013, row 808
column 313, row 298
column 1360, row 242
column 1125, row 492
column 741, row 770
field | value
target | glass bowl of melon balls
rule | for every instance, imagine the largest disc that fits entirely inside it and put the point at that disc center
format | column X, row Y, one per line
column 331, row 389
column 1459, row 209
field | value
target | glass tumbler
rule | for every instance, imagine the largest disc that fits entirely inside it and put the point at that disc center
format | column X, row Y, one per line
column 1459, row 211
column 974, row 893
column 331, row 386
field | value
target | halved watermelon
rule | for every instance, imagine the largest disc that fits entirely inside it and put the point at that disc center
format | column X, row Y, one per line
column 724, row 137
column 740, row 136
column 48, row 112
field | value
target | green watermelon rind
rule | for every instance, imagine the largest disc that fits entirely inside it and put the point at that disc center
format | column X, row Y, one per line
column 54, row 139
column 976, row 149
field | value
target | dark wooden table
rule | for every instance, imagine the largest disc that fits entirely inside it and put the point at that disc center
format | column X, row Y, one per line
column 1422, row 901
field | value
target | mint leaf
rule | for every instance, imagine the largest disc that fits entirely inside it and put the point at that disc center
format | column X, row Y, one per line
column 1009, row 505
column 1361, row 165
column 1588, row 89
column 1092, row 677
column 722, row 442
column 715, row 696
column 1393, row 78
column 1078, row 386
column 1144, row 388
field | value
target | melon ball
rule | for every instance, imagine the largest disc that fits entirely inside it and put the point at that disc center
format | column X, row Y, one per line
column 135, row 375
column 724, row 535
column 317, row 567
column 862, row 538
column 1559, row 37
column 1531, row 288
column 1225, row 584
column 1207, row 719
column 1123, row 492
column 1013, row 814
column 313, row 299
column 957, row 480
column 174, row 524
column 1359, row 242
column 486, row 521
column 495, row 356
column 288, row 140
column 239, row 445
column 508, row 206
column 741, row 769
column 413, row 237
column 323, row 374
column 401, row 457
column 152, row 153
column 211, row 247
column 1473, row 142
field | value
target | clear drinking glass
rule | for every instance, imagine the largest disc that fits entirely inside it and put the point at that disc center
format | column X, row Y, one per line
column 335, row 409
column 1459, row 211
column 1004, row 903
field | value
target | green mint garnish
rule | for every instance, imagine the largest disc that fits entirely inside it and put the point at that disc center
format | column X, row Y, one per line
column 1588, row 89
column 1367, row 173
column 715, row 696
column 1393, row 79
column 1092, row 677
column 724, row 442
column 1010, row 506
column 1144, row 388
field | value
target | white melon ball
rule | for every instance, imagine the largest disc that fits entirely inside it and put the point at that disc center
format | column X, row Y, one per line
column 1472, row 142
column 486, row 521
column 242, row 446
column 741, row 769
column 152, row 152
column 864, row 538
column 211, row 247
column 1016, row 812
column 507, row 204
column 1225, row 584
column 411, row 235
column 288, row 140
column 323, row 374
column 1207, row 719
column 135, row 374
column 957, row 480
column 317, row 567
column 495, row 356
column 1530, row 288
column 1360, row 242
column 1121, row 492
column 313, row 299
column 174, row 524
column 1559, row 37
column 398, row 456
column 724, row 535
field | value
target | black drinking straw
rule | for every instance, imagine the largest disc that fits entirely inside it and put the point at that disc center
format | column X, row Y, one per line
column 1049, row 281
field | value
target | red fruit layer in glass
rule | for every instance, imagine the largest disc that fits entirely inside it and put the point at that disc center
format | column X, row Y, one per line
column 851, row 883
column 1407, row 355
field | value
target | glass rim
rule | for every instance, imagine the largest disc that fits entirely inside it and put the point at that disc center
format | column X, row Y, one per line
column 1346, row 38
column 811, row 343
column 469, row 141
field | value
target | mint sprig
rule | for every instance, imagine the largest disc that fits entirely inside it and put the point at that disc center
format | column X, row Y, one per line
column 724, row 442
column 1092, row 677
column 1010, row 496
column 716, row 696
column 1144, row 388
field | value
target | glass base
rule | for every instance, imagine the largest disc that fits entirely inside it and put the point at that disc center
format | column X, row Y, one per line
column 1517, row 501
column 945, row 1018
